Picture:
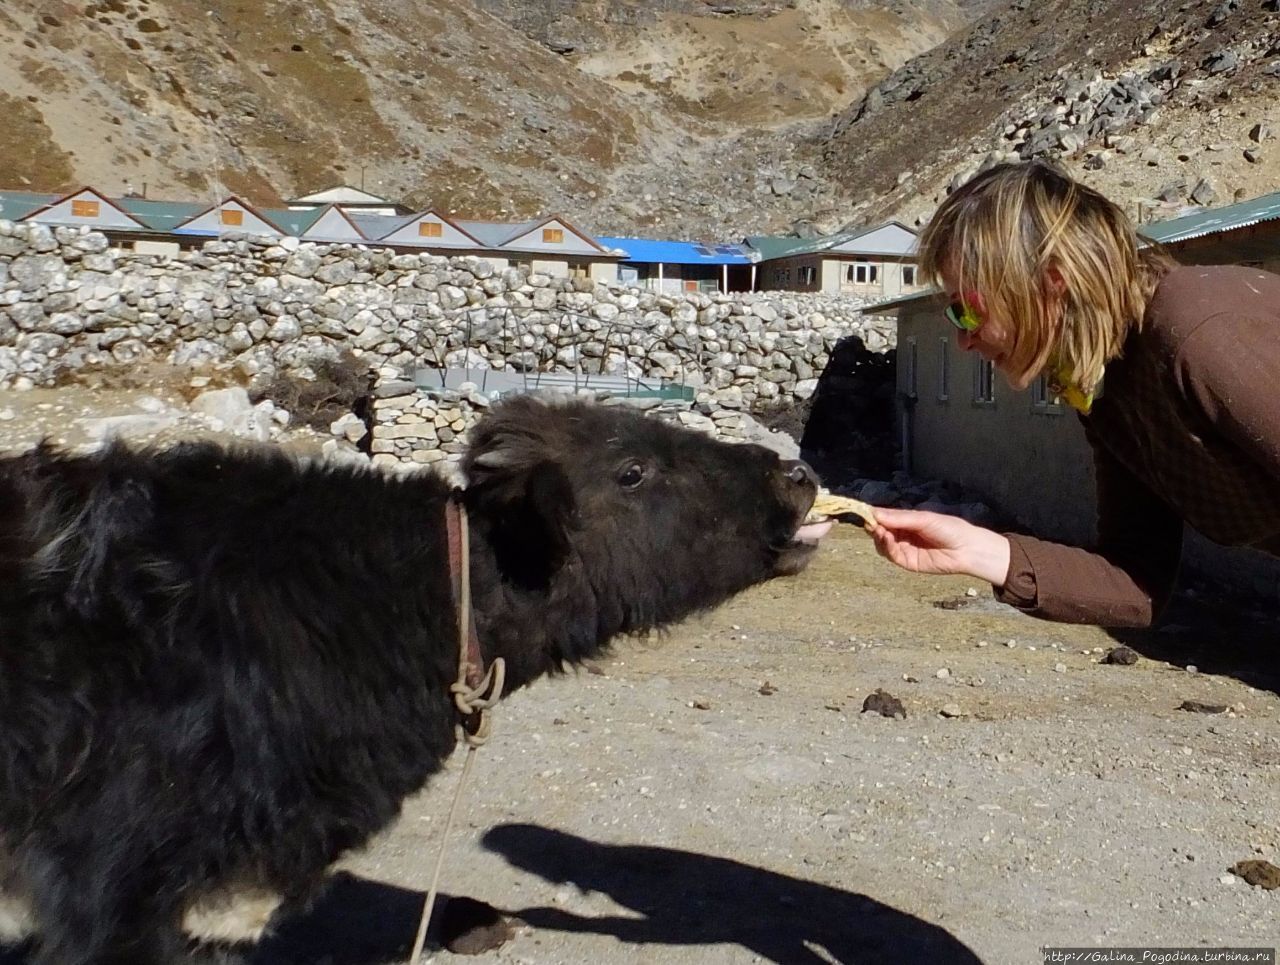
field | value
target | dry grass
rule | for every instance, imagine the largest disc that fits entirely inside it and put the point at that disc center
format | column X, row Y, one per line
column 28, row 154
column 340, row 386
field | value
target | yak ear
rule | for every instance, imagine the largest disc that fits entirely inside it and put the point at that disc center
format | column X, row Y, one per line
column 528, row 510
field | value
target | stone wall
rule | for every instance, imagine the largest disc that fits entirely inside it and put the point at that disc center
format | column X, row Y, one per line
column 69, row 301
column 414, row 426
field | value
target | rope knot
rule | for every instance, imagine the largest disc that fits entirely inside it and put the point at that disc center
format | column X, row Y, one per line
column 474, row 703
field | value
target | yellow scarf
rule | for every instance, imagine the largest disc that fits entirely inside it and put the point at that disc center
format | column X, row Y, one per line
column 1061, row 385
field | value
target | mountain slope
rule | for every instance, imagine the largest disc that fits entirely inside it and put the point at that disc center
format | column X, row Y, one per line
column 444, row 103
column 1146, row 101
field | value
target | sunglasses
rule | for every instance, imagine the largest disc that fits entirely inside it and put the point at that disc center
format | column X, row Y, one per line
column 963, row 315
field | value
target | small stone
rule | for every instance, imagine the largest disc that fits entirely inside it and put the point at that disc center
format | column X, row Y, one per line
column 1059, row 668
column 1122, row 656
column 767, row 689
column 951, row 710
column 943, row 674
column 1199, row 707
column 1192, row 668
column 1011, row 644
column 700, row 703
column 971, row 592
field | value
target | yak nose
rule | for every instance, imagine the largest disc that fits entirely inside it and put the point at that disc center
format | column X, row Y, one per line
column 800, row 472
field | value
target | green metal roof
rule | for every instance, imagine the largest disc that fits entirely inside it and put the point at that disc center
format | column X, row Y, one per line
column 773, row 247
column 293, row 222
column 15, row 205
column 161, row 215
column 1214, row 220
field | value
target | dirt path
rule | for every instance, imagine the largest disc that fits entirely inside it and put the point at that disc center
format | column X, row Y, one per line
column 1070, row 803
column 718, row 797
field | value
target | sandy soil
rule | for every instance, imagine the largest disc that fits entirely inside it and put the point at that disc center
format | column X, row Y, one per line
column 717, row 796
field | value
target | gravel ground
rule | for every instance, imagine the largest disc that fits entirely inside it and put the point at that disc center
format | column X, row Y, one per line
column 717, row 796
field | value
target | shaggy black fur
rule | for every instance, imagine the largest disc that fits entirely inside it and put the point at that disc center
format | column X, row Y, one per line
column 226, row 667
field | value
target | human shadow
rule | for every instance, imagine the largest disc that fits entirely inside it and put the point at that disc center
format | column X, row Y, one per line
column 684, row 898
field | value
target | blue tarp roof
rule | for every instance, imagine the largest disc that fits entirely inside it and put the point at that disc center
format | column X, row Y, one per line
column 647, row 252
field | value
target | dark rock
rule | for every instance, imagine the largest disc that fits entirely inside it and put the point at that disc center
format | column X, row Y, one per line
column 1198, row 707
column 1259, row 873
column 471, row 927
column 1221, row 62
column 1224, row 11
column 1122, row 656
column 884, row 704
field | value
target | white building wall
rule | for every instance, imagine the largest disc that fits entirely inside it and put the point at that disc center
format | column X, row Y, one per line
column 108, row 215
column 572, row 244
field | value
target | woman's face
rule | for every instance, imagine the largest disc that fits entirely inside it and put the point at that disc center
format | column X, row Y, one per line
column 993, row 338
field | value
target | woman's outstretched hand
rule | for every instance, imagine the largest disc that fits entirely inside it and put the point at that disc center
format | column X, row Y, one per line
column 934, row 543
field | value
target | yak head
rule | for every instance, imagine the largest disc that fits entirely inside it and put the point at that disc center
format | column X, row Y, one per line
column 649, row 520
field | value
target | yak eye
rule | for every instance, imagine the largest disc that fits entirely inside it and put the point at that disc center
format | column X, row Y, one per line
column 632, row 475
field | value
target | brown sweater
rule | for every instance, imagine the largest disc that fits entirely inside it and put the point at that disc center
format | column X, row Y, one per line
column 1187, row 429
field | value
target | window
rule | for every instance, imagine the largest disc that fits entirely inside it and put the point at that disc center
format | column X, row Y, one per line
column 912, row 361
column 430, row 229
column 862, row 274
column 230, row 216
column 553, row 236
column 944, row 370
column 909, row 275
column 984, row 382
column 1043, row 399
column 579, row 269
column 806, row 275
column 84, row 209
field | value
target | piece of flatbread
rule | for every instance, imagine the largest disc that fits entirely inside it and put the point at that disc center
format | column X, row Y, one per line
column 829, row 504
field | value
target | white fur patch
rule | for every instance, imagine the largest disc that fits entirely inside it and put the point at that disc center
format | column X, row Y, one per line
column 17, row 922
column 225, row 917
column 231, row 916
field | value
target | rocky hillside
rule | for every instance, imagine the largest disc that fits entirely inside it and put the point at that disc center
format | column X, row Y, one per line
column 1157, row 105
column 653, row 114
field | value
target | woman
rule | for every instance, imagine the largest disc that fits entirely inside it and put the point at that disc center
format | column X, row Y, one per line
column 1175, row 372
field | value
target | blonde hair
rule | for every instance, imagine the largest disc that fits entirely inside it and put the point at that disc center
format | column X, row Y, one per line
column 1012, row 232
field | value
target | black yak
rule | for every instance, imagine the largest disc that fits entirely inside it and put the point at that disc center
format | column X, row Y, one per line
column 222, row 669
